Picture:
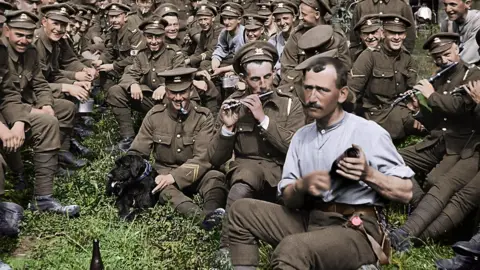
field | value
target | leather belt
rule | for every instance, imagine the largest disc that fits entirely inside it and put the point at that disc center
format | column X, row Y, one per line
column 348, row 209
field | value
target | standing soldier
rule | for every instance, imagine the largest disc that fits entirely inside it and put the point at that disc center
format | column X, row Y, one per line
column 450, row 147
column 371, row 33
column 202, row 56
column 381, row 74
column 27, row 103
column 265, row 10
column 179, row 132
column 366, row 7
column 258, row 132
column 122, row 43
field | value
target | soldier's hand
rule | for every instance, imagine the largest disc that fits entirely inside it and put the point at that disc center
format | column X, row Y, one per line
column 78, row 92
column 413, row 104
column 48, row 110
column 106, row 67
column 97, row 63
column 473, row 90
column 85, row 85
column 205, row 74
column 425, row 87
column 83, row 76
column 356, row 169
column 253, row 103
column 18, row 131
column 229, row 117
column 162, row 182
column 159, row 93
column 8, row 141
column 136, row 92
column 200, row 85
column 314, row 183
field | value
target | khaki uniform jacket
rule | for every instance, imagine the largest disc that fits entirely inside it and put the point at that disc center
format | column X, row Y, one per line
column 26, row 85
column 120, row 46
column 135, row 18
column 206, row 45
column 453, row 116
column 366, row 7
column 179, row 145
column 252, row 144
column 53, row 57
column 292, row 55
column 146, row 66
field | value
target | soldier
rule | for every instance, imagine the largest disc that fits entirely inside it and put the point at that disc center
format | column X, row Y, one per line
column 265, row 10
column 229, row 38
column 258, row 132
column 178, row 132
column 450, row 147
column 254, row 29
column 329, row 214
column 169, row 13
column 366, row 7
column 29, row 5
column 371, row 33
column 143, row 13
column 202, row 56
column 285, row 15
column 27, row 103
column 3, row 7
column 381, row 74
column 122, row 43
column 312, row 14
column 61, row 68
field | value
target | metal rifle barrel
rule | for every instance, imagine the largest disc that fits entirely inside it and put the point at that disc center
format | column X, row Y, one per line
column 238, row 102
column 430, row 80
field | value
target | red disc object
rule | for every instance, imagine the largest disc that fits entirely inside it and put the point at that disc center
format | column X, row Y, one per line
column 356, row 221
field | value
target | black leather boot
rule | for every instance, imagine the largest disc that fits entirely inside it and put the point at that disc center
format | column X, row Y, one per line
column 400, row 240
column 213, row 219
column 87, row 121
column 77, row 148
column 82, row 132
column 123, row 145
column 20, row 181
column 49, row 204
column 468, row 248
column 68, row 160
column 11, row 214
column 458, row 262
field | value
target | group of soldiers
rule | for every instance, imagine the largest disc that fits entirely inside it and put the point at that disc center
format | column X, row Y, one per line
column 249, row 103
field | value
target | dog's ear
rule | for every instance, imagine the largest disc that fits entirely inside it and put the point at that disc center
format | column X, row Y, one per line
column 137, row 166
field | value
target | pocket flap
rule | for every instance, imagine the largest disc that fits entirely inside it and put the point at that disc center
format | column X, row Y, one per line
column 188, row 140
column 162, row 139
column 245, row 127
column 382, row 73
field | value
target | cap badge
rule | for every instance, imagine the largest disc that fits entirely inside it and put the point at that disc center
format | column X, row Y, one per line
column 89, row 12
column 167, row 9
column 80, row 12
column 250, row 18
column 228, row 8
column 280, row 5
column 203, row 7
column 24, row 16
column 259, row 51
column 397, row 20
column 369, row 22
column 436, row 40
column 63, row 10
column 177, row 79
column 114, row 7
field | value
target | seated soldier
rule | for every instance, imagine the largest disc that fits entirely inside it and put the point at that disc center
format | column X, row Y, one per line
column 122, row 44
column 169, row 13
column 285, row 14
column 27, row 104
column 265, row 10
column 371, row 33
column 328, row 215
column 230, row 15
column 380, row 75
column 178, row 132
column 202, row 56
column 140, row 86
column 450, row 146
column 143, row 13
column 258, row 132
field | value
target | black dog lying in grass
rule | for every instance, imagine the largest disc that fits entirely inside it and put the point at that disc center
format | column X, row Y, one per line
column 132, row 181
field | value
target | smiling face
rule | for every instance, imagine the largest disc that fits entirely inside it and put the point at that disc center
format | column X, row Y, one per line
column 447, row 57
column 456, row 9
column 154, row 42
column 19, row 39
column 117, row 21
column 205, row 22
column 309, row 15
column 284, row 22
column 179, row 99
column 372, row 39
column 394, row 40
column 253, row 34
column 54, row 29
column 173, row 27
column 230, row 23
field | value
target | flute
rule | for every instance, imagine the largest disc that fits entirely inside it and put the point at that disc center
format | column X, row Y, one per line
column 238, row 103
column 459, row 89
column 410, row 92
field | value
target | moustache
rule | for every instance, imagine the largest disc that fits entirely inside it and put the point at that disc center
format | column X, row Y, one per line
column 312, row 104
column 371, row 39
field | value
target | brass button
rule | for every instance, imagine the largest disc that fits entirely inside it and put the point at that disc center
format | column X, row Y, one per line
column 20, row 76
column 178, row 135
column 268, row 154
column 179, row 120
column 448, row 81
column 153, row 69
column 396, row 72
column 444, row 129
column 383, row 75
column 444, row 119
column 179, row 150
column 240, row 129
column 160, row 140
column 264, row 139
column 445, row 92
column 153, row 80
column 322, row 131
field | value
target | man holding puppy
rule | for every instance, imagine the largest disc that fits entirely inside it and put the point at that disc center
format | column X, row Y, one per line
column 339, row 210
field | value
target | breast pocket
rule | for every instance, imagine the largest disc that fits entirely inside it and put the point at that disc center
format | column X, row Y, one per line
column 246, row 139
column 25, row 80
column 163, row 144
column 188, row 147
column 383, row 83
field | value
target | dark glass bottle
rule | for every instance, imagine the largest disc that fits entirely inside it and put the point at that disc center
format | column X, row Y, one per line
column 351, row 152
column 96, row 263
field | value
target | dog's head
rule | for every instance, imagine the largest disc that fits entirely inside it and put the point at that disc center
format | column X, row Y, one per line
column 127, row 170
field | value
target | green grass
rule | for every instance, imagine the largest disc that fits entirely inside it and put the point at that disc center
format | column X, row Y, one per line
column 160, row 239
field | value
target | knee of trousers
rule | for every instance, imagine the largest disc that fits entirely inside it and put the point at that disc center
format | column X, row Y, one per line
column 117, row 96
column 213, row 179
column 289, row 247
column 46, row 133
column 240, row 209
column 239, row 191
column 65, row 112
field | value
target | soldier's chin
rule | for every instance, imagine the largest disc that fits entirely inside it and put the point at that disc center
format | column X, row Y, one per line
column 154, row 48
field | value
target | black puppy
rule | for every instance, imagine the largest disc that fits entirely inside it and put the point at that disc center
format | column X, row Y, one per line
column 132, row 181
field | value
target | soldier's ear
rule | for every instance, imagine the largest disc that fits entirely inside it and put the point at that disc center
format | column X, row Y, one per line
column 343, row 94
column 44, row 21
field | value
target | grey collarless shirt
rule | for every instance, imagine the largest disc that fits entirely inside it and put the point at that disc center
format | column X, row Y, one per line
column 313, row 149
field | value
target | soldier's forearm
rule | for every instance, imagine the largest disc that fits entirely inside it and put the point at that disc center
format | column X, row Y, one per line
column 292, row 197
column 390, row 187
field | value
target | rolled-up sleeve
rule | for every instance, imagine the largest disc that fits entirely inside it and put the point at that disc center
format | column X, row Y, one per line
column 387, row 160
